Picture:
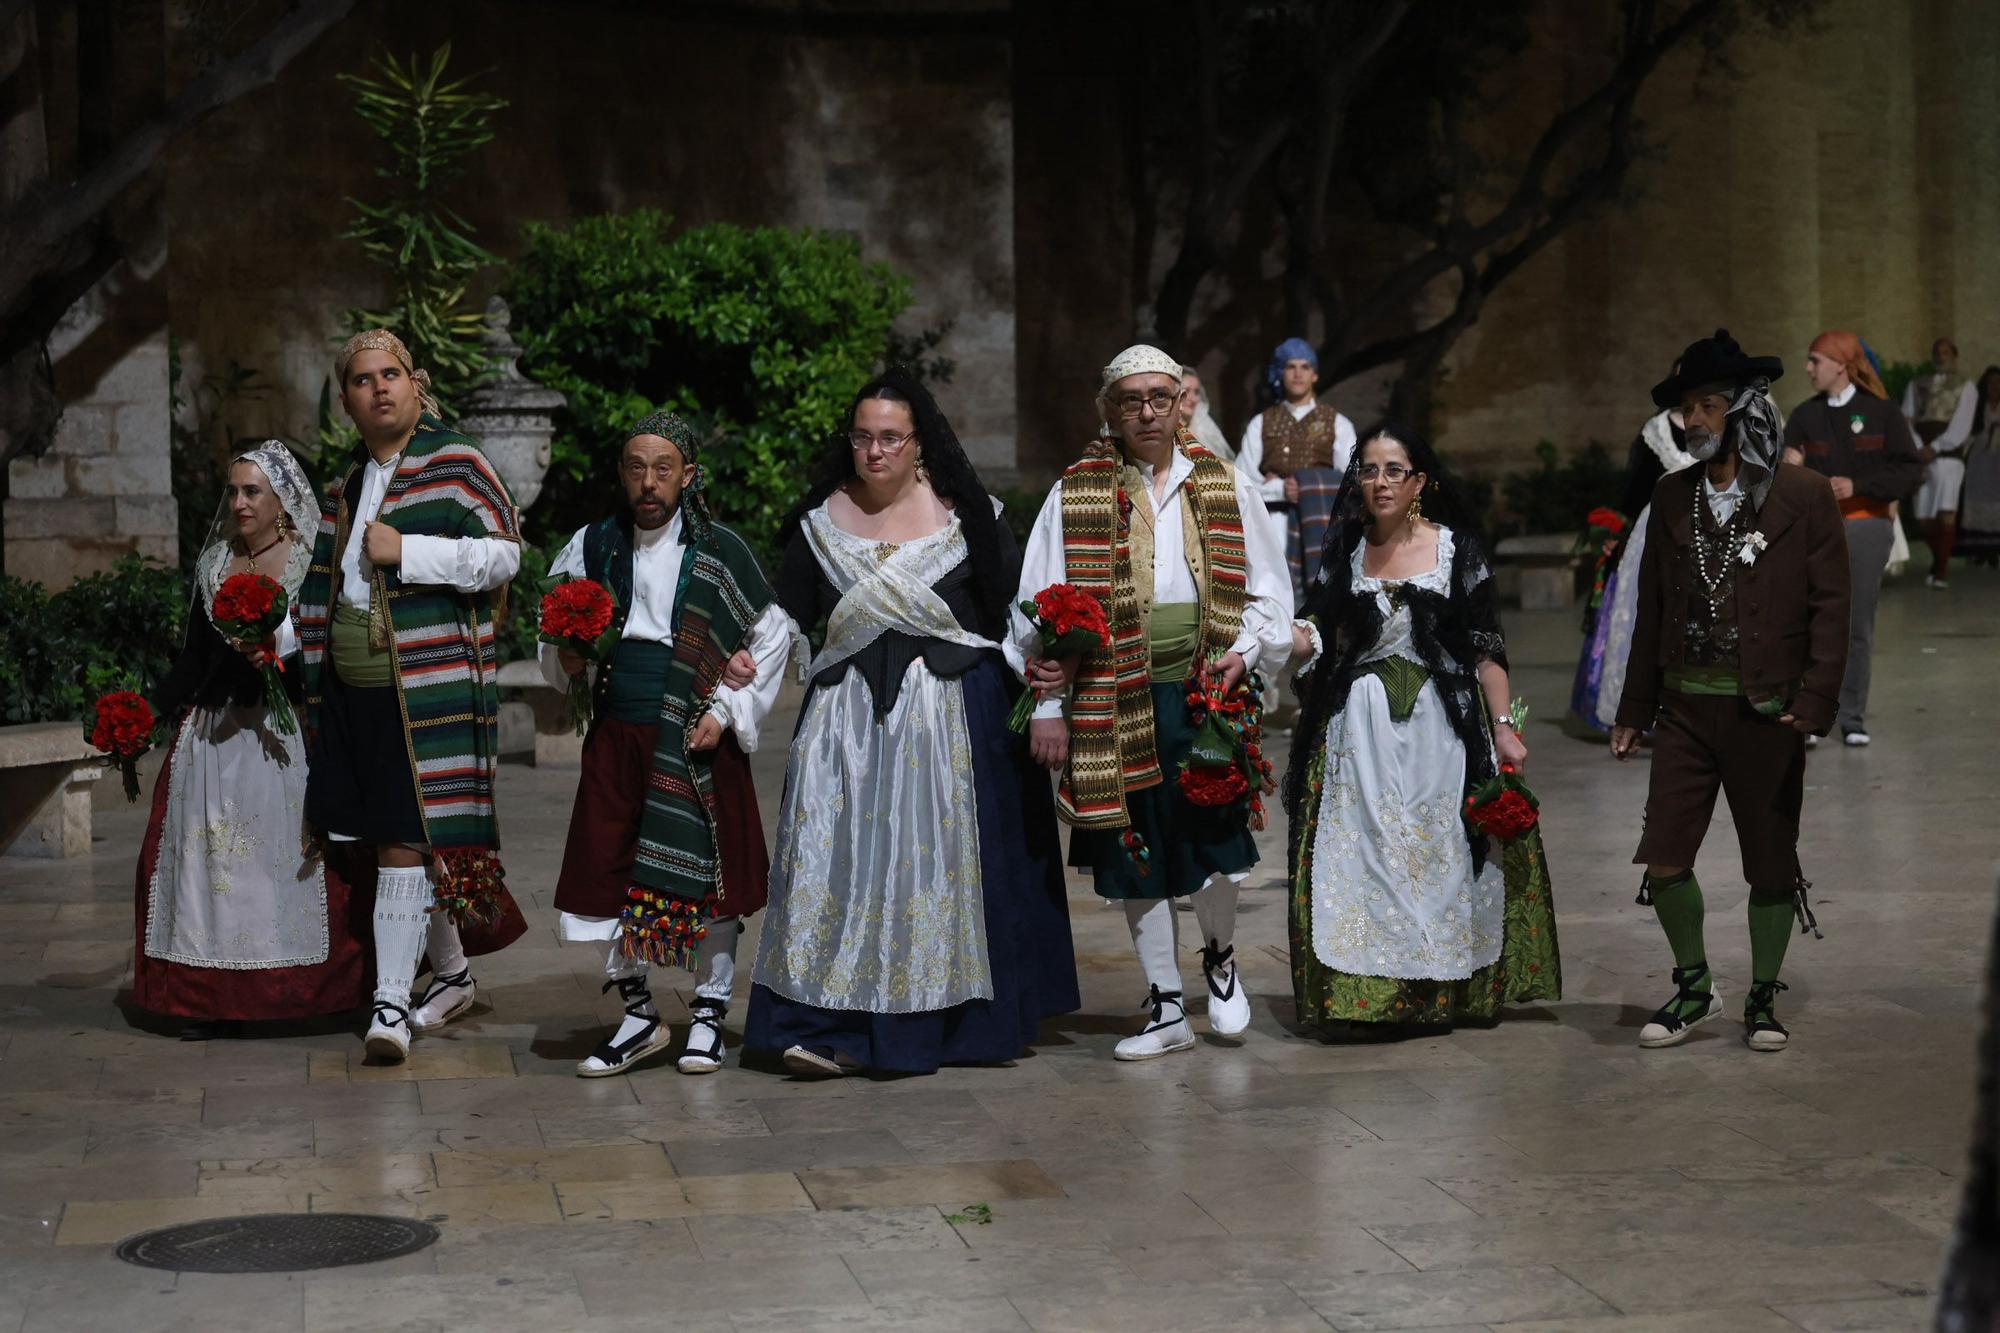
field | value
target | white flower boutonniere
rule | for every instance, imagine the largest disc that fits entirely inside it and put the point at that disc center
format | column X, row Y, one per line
column 1753, row 546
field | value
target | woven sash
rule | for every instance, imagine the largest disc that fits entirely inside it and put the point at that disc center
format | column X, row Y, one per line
column 1112, row 749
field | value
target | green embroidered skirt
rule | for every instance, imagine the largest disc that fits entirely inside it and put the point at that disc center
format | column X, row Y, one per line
column 1529, row 966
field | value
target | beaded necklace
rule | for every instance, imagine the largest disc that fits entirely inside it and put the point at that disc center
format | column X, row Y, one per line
column 1721, row 542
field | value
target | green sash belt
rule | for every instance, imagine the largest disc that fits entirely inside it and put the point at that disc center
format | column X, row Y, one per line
column 1403, row 680
column 353, row 660
column 1175, row 634
column 637, row 680
column 1704, row 680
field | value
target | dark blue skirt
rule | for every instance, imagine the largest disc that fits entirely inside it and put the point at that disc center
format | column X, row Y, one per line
column 1028, row 947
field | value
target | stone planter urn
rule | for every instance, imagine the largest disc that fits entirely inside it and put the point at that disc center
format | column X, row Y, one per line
column 511, row 416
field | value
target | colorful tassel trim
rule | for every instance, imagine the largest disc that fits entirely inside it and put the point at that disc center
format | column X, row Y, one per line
column 1137, row 851
column 662, row 929
column 469, row 884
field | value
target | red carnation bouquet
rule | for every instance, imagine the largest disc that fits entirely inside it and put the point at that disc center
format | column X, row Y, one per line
column 248, row 608
column 1226, row 762
column 122, row 726
column 578, row 614
column 1502, row 807
column 1603, row 527
column 1071, row 623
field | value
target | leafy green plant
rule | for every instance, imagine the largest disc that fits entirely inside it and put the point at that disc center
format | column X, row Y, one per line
column 59, row 653
column 758, row 335
column 430, row 125
column 975, row 1214
column 1555, row 494
column 1896, row 376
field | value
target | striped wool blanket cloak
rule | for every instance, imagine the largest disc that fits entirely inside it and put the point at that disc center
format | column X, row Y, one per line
column 1112, row 747
column 441, row 639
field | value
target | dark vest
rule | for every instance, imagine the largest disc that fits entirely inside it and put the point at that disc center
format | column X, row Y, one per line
column 1291, row 445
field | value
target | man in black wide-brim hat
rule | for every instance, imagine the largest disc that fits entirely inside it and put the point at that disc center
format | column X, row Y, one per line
column 1738, row 647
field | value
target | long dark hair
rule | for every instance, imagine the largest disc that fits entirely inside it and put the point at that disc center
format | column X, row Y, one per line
column 1443, row 501
column 1979, row 395
column 952, row 479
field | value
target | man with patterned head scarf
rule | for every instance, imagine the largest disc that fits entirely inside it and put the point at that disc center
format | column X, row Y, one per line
column 666, row 847
column 1152, row 524
column 1738, row 644
column 1848, row 432
column 417, row 540
column 1296, row 452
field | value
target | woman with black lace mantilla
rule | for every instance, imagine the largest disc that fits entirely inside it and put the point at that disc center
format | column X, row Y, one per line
column 917, row 914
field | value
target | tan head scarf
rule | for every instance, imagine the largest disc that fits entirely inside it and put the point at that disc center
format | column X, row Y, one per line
column 1846, row 348
column 381, row 340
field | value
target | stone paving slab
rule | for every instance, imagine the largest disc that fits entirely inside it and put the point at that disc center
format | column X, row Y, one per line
column 1541, row 1176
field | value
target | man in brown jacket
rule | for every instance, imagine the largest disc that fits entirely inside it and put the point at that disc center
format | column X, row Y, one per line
column 1737, row 654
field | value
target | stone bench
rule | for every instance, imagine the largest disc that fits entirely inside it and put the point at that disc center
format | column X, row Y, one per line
column 1539, row 573
column 47, row 770
column 534, row 718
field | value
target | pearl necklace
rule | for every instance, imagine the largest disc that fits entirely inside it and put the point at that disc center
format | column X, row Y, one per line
column 1700, row 544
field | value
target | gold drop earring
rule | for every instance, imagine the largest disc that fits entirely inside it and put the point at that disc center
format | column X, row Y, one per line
column 1416, row 509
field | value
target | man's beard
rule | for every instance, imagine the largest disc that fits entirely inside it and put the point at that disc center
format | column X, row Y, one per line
column 1702, row 444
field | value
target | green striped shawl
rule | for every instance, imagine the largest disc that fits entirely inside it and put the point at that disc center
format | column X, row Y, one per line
column 441, row 639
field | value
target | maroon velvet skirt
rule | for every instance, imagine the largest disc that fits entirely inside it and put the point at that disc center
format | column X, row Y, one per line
column 604, row 823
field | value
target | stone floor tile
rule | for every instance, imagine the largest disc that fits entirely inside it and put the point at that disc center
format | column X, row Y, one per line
column 991, row 1315
column 139, row 1178
column 786, row 1152
column 1746, row 1276
column 110, row 1221
column 1735, row 1319
column 496, row 1166
column 1412, row 1300
column 947, row 1184
column 649, row 1122
column 356, row 1174
column 692, row 1196
column 518, row 1096
column 505, row 1249
column 914, row 1108
column 893, row 1276
column 770, row 1237
column 1238, row 1303
column 438, row 1058
column 1897, row 1314
column 343, row 1303
column 1173, row 1257
column 1307, row 1206
column 342, row 1135
column 466, row 1205
column 699, row 1289
column 271, row 1136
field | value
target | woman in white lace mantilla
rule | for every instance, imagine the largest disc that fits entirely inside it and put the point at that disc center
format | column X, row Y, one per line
column 916, row 914
column 238, row 919
column 1401, row 912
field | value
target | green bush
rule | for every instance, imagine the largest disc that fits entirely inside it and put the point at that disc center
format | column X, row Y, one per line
column 758, row 335
column 114, row 631
column 1554, row 495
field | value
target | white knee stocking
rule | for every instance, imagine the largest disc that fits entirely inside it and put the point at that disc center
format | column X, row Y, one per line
column 402, row 895
column 1153, row 931
column 715, row 960
column 1215, row 911
column 446, row 951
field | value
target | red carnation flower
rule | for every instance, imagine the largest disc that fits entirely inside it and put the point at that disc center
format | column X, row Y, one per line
column 1071, row 623
column 122, row 727
column 249, row 608
column 1213, row 786
column 577, row 611
column 1605, row 518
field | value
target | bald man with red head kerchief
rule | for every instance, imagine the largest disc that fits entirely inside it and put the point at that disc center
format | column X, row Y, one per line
column 1849, row 432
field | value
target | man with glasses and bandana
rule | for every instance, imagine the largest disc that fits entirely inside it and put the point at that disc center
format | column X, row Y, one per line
column 1738, row 646
column 1152, row 524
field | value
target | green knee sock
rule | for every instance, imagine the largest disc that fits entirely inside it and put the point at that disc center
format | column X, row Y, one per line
column 1678, row 903
column 1771, row 916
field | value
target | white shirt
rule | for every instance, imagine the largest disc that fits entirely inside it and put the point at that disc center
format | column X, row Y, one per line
column 1250, row 458
column 469, row 564
column 1843, row 398
column 1267, row 610
column 1959, row 429
column 656, row 574
column 1723, row 503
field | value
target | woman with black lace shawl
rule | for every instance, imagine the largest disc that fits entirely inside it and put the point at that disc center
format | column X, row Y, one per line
column 1401, row 913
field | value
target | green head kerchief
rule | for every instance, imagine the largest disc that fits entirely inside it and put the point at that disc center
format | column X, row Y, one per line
column 694, row 499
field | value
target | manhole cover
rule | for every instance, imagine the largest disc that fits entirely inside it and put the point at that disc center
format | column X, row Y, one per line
column 276, row 1243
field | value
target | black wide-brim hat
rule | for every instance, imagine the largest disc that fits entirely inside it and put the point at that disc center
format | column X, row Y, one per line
column 1716, row 360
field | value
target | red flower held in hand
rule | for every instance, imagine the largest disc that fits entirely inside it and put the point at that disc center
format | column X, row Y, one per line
column 1606, row 518
column 580, row 609
column 124, row 725
column 247, row 600
column 1213, row 786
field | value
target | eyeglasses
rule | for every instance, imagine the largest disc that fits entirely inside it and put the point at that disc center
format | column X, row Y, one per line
column 1393, row 471
column 891, row 442
column 1129, row 405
